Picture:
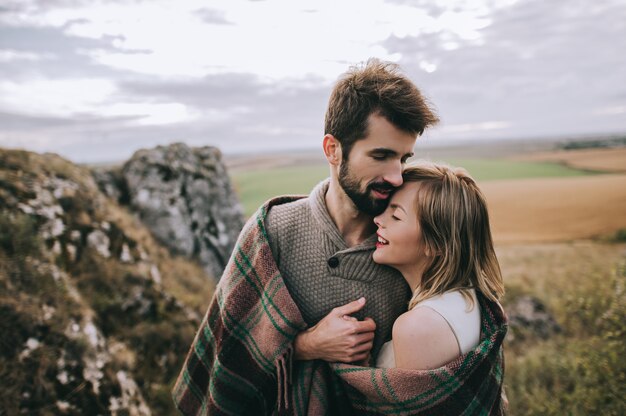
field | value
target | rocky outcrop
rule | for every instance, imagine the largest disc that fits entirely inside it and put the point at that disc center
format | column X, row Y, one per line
column 89, row 322
column 185, row 197
column 528, row 316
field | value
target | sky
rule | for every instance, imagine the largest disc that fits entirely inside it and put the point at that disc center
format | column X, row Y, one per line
column 95, row 81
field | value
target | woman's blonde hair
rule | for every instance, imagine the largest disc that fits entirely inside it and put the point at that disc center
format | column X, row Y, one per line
column 452, row 214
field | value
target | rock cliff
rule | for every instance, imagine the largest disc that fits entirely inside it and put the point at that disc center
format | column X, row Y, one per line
column 185, row 197
column 99, row 308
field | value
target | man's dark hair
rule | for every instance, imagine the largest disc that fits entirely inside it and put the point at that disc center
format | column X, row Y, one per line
column 375, row 88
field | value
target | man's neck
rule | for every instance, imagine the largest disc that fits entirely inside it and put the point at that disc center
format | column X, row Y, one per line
column 353, row 225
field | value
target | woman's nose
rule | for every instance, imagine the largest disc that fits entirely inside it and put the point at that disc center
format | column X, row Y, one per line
column 377, row 221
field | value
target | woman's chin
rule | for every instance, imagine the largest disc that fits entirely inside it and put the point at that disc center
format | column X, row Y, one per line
column 378, row 257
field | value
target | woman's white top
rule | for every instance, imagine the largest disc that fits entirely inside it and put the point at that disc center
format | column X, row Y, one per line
column 464, row 322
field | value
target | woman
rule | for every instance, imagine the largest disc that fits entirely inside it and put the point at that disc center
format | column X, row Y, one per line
column 435, row 231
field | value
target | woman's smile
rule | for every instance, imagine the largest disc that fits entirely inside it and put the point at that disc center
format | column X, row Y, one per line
column 381, row 242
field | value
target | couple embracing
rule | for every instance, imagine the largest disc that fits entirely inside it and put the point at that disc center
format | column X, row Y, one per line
column 376, row 294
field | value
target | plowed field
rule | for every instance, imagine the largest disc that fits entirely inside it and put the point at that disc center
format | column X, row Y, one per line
column 557, row 209
column 524, row 210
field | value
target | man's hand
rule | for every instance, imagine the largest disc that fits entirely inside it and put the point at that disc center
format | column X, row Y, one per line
column 338, row 337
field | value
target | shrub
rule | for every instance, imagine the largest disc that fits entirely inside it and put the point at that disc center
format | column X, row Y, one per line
column 620, row 236
column 564, row 377
column 582, row 372
column 18, row 235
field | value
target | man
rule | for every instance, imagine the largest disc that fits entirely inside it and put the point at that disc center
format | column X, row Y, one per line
column 322, row 246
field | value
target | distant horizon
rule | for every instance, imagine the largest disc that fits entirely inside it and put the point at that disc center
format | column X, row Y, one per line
column 422, row 143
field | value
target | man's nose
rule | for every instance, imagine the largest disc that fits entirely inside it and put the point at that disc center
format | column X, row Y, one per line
column 394, row 176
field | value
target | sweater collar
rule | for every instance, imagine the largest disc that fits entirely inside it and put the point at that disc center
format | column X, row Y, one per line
column 317, row 200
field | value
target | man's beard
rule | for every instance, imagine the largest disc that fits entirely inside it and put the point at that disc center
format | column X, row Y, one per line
column 363, row 200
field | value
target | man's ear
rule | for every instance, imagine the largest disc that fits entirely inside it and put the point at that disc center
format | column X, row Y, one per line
column 332, row 149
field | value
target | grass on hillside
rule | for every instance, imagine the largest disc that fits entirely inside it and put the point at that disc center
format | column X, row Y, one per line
column 148, row 327
column 258, row 185
column 580, row 371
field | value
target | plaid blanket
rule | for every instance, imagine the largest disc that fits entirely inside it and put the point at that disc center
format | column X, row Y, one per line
column 240, row 362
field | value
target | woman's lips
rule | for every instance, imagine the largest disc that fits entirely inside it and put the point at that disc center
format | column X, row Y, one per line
column 381, row 242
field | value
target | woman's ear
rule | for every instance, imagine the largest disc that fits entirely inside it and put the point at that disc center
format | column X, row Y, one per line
column 332, row 149
column 429, row 251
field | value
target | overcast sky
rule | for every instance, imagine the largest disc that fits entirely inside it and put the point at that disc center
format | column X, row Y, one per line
column 97, row 80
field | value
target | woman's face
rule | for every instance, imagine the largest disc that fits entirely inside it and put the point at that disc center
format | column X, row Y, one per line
column 400, row 244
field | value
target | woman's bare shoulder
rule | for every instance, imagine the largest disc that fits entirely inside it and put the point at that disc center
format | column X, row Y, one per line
column 422, row 339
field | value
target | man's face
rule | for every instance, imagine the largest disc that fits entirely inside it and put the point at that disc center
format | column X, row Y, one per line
column 374, row 166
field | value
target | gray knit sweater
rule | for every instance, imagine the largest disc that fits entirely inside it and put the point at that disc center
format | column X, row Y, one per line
column 321, row 272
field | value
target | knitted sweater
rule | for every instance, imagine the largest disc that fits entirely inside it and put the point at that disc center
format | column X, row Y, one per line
column 322, row 272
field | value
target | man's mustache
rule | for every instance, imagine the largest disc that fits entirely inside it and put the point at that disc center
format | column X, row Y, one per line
column 381, row 186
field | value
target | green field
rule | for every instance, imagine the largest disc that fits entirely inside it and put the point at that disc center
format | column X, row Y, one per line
column 257, row 185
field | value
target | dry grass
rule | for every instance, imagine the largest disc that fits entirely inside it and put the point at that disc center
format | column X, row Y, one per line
column 186, row 280
column 549, row 270
column 580, row 371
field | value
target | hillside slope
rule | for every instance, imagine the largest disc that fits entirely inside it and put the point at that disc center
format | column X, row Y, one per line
column 96, row 315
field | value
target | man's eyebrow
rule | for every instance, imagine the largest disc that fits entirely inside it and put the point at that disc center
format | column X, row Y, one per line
column 384, row 151
column 389, row 152
column 396, row 206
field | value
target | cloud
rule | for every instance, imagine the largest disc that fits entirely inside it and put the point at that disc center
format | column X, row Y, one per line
column 239, row 111
column 10, row 55
column 476, row 127
column 232, row 111
column 58, row 134
column 543, row 66
column 55, row 55
column 212, row 16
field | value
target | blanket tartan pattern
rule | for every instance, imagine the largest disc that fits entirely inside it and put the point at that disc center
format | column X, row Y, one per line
column 240, row 362
column 472, row 384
